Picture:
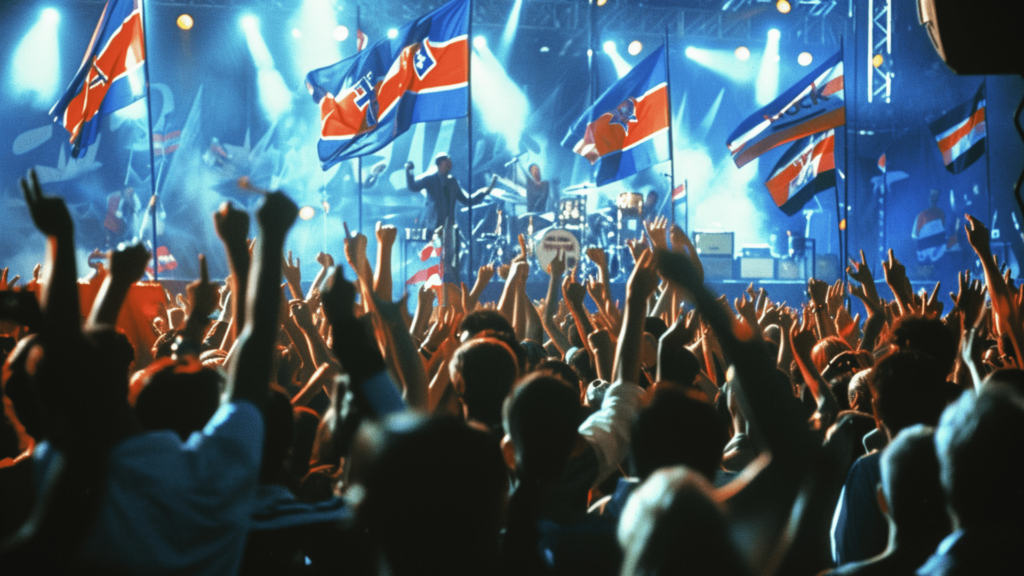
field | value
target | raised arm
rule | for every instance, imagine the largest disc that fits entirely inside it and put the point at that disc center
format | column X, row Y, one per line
column 248, row 378
column 232, row 226
column 639, row 288
column 547, row 318
column 126, row 268
column 382, row 285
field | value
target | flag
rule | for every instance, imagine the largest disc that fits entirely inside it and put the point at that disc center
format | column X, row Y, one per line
column 679, row 194
column 626, row 130
column 165, row 144
column 960, row 133
column 165, row 261
column 360, row 40
column 433, row 275
column 111, row 77
column 422, row 75
column 814, row 104
column 807, row 168
column 881, row 162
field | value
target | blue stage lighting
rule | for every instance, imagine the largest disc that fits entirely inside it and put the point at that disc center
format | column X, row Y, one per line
column 609, row 47
column 35, row 72
column 50, row 15
column 479, row 42
column 393, row 33
column 767, row 85
column 316, row 29
column 721, row 62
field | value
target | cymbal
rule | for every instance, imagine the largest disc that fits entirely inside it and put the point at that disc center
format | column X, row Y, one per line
column 578, row 189
column 542, row 215
column 506, row 196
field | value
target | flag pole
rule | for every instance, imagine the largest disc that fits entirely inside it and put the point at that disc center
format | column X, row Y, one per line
column 844, row 210
column 988, row 157
column 149, row 115
column 469, row 130
column 671, row 141
column 359, row 159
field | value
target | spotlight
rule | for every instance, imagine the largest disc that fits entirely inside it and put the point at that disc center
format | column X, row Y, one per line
column 609, row 47
column 783, row 6
column 185, row 22
column 877, row 60
column 602, row 2
column 307, row 212
column 51, row 16
column 250, row 23
column 774, row 34
column 545, row 49
column 590, row 53
column 804, row 58
column 743, row 53
column 340, row 33
column 393, row 33
column 296, row 33
column 635, row 47
column 479, row 42
column 690, row 52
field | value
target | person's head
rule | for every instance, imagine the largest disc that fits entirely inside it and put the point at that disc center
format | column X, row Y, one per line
column 579, row 360
column 483, row 371
column 858, row 392
column 826, row 349
column 907, row 388
column 929, row 336
column 534, row 352
column 541, row 418
column 933, row 197
column 17, row 384
column 913, row 497
column 443, row 163
column 535, row 172
column 480, row 320
column 433, row 490
column 652, row 198
column 673, row 524
column 559, row 369
column 680, row 367
column 978, row 441
column 178, row 395
column 676, row 429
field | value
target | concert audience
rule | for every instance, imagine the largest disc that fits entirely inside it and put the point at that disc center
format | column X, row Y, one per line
column 332, row 432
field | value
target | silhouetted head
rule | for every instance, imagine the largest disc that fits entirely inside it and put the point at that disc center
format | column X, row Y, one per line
column 675, row 430
column 826, row 349
column 178, row 395
column 444, row 163
column 907, row 388
column 910, row 482
column 928, row 336
column 541, row 419
column 483, row 371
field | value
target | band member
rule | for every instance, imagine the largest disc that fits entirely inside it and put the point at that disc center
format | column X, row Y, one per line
column 536, row 191
column 442, row 192
column 930, row 231
column 119, row 222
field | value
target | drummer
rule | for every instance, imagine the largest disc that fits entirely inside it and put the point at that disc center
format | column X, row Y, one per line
column 536, row 190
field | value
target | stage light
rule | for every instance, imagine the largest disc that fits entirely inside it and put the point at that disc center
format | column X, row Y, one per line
column 296, row 33
column 877, row 60
column 783, row 6
column 545, row 49
column 250, row 23
column 721, row 62
column 307, row 212
column 314, row 28
column 509, row 33
column 804, row 59
column 274, row 96
column 742, row 53
column 609, row 47
column 590, row 53
column 479, row 42
column 393, row 33
column 602, row 2
column 502, row 105
column 35, row 73
column 185, row 22
column 340, row 33
column 635, row 47
column 767, row 85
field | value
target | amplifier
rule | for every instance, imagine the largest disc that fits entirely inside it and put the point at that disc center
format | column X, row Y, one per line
column 757, row 268
column 788, row 269
column 717, row 267
column 756, row 251
column 714, row 243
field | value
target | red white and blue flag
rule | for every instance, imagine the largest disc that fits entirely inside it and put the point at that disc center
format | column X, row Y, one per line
column 433, row 275
column 807, row 168
column 111, row 77
column 421, row 75
column 814, row 104
column 881, row 162
column 165, row 261
column 167, row 143
column 679, row 194
column 626, row 130
column 960, row 133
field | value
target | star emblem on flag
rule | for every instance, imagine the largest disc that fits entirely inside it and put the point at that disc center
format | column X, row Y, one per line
column 423, row 61
column 366, row 98
column 625, row 114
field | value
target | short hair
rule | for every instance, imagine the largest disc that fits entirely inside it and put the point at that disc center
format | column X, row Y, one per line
column 977, row 433
column 178, row 395
column 441, row 156
column 534, row 352
column 858, row 392
column 488, row 370
column 676, row 429
column 930, row 336
column 826, row 349
column 908, row 388
column 910, row 481
column 483, row 319
column 559, row 369
column 542, row 417
column 655, row 326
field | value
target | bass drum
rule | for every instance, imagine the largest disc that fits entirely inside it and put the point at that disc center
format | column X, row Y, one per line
column 553, row 242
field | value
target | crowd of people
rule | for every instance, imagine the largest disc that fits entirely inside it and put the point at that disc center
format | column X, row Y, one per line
column 290, row 429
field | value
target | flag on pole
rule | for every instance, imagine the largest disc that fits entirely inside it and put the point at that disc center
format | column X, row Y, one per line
column 165, row 261
column 165, row 144
column 433, row 275
column 422, row 75
column 679, row 194
column 360, row 40
column 960, row 133
column 626, row 130
column 881, row 162
column 807, row 168
column 814, row 104
column 111, row 76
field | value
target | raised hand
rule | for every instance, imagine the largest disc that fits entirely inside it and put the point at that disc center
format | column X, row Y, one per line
column 324, row 259
column 817, row 290
column 231, row 224
column 277, row 214
column 932, row 306
column 656, row 232
column 970, row 299
column 978, row 235
column 49, row 213
column 682, row 332
column 834, row 299
column 127, row 265
column 293, row 275
column 557, row 266
column 386, row 234
column 896, row 278
column 598, row 257
column 338, row 297
column 302, row 315
column 485, row 273
column 643, row 280
column 573, row 291
column 355, row 250
column 203, row 295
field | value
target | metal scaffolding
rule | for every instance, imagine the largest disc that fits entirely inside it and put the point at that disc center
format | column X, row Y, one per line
column 879, row 51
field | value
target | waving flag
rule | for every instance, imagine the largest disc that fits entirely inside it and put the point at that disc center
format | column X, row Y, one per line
column 111, row 77
column 960, row 133
column 807, row 168
column 433, row 275
column 422, row 75
column 814, row 104
column 881, row 162
column 626, row 130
